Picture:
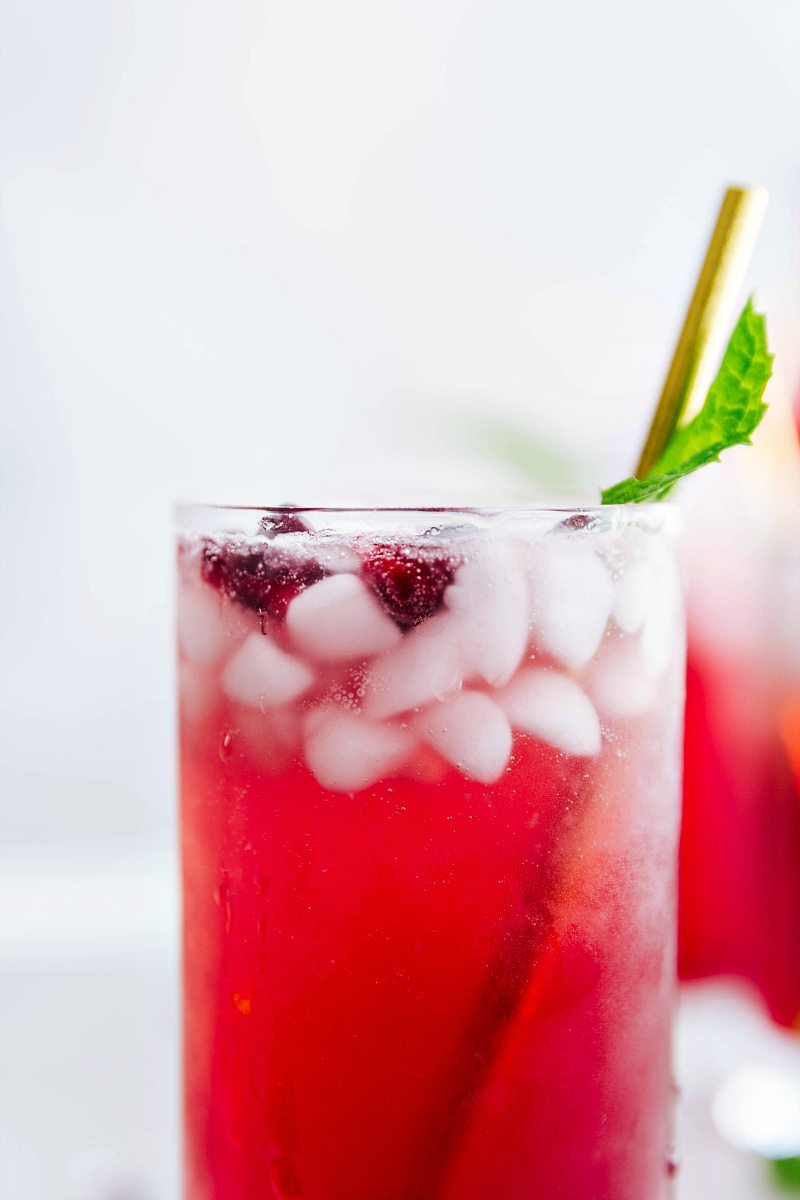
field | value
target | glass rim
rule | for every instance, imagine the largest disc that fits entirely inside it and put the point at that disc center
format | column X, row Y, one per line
column 648, row 506
column 656, row 516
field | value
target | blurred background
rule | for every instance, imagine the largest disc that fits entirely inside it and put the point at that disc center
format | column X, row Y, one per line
column 321, row 252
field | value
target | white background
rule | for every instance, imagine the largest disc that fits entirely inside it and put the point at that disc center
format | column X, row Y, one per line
column 271, row 251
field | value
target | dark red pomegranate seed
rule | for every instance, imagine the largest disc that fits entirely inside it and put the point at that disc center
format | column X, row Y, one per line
column 264, row 577
column 409, row 581
column 576, row 521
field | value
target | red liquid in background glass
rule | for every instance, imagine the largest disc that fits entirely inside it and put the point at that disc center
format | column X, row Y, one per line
column 433, row 988
column 740, row 840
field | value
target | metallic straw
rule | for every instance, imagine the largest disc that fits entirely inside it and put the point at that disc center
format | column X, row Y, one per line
column 708, row 318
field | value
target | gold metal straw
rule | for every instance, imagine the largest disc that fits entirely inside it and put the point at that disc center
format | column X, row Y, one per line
column 708, row 317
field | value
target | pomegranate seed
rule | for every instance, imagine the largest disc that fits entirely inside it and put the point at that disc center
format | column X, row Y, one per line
column 265, row 578
column 409, row 581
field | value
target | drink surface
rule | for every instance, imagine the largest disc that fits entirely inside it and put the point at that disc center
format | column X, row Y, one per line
column 429, row 789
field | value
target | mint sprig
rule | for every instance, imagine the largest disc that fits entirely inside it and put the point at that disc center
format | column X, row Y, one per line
column 786, row 1174
column 732, row 410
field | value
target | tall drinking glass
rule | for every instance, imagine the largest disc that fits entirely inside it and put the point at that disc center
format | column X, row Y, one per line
column 429, row 807
column 740, row 850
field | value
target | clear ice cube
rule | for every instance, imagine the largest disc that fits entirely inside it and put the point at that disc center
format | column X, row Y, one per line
column 347, row 752
column 554, row 708
column 490, row 598
column 426, row 666
column 338, row 620
column 572, row 594
column 471, row 731
column 262, row 675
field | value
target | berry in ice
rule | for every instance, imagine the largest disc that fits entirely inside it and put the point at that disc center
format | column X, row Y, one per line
column 262, row 577
column 410, row 581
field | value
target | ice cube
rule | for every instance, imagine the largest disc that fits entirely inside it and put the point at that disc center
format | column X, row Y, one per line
column 425, row 666
column 471, row 732
column 572, row 594
column 554, row 708
column 347, row 752
column 662, row 632
column 339, row 619
column 201, row 628
column 620, row 680
column 633, row 597
column 262, row 675
column 490, row 598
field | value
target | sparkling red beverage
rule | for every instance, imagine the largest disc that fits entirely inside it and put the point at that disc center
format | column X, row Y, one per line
column 740, row 846
column 429, row 801
column 740, row 841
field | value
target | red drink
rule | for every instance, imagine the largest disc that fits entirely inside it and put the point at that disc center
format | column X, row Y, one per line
column 740, row 841
column 429, row 791
column 740, row 847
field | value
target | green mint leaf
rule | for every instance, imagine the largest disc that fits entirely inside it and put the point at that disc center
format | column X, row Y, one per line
column 733, row 407
column 786, row 1174
column 655, row 487
column 732, row 410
